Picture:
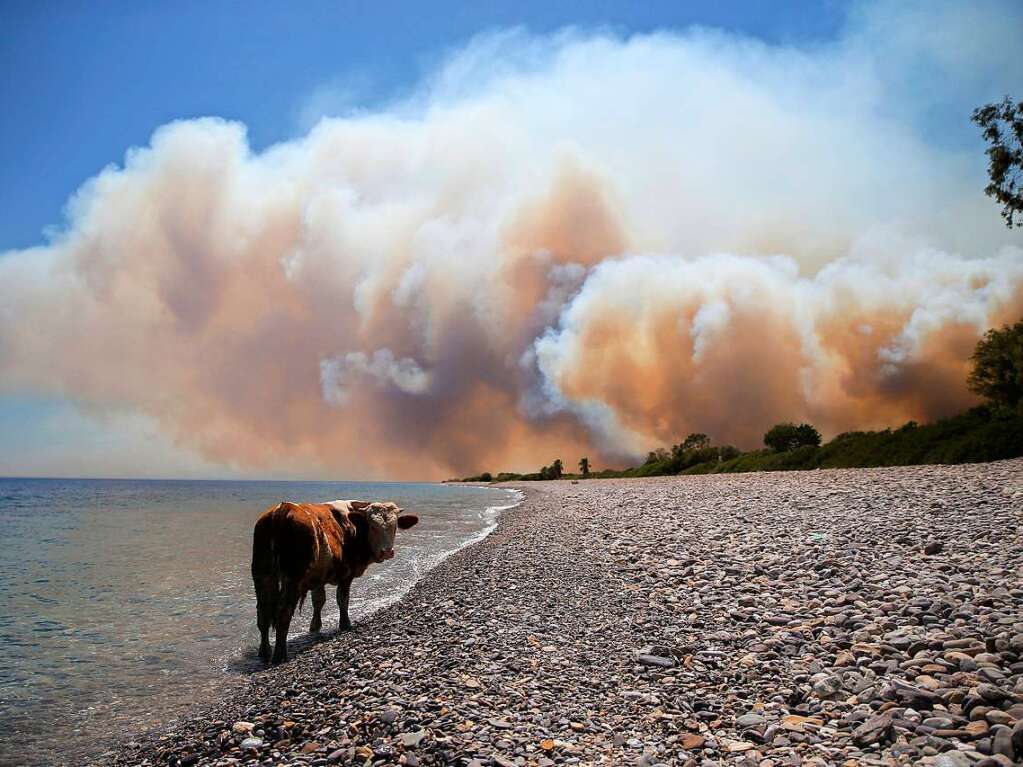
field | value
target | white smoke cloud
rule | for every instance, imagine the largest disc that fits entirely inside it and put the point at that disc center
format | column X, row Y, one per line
column 339, row 373
column 677, row 322
column 578, row 243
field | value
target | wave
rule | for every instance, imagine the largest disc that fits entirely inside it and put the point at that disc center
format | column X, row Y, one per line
column 491, row 516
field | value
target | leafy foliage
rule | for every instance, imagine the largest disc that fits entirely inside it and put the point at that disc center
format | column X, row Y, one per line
column 980, row 434
column 695, row 441
column 998, row 366
column 1001, row 125
column 660, row 455
column 984, row 433
column 484, row 477
column 787, row 436
column 554, row 471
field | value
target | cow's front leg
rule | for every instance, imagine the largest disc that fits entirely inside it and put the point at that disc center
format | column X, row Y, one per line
column 319, row 599
column 344, row 590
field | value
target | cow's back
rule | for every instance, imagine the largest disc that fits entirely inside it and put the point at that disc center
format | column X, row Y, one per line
column 306, row 539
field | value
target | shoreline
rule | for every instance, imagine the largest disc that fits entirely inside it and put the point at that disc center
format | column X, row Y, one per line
column 155, row 642
column 129, row 748
column 667, row 621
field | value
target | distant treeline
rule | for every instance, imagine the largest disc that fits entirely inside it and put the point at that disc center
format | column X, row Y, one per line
column 982, row 434
column 987, row 433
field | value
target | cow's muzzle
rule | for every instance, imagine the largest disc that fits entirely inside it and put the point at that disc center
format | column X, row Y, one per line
column 389, row 554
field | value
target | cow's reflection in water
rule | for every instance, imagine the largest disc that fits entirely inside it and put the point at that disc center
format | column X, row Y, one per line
column 300, row 548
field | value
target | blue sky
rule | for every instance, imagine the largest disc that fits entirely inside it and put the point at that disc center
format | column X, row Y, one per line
column 84, row 83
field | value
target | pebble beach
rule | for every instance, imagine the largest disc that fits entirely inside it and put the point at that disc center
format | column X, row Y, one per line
column 840, row 617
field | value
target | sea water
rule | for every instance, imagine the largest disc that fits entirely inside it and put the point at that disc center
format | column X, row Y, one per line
column 122, row 602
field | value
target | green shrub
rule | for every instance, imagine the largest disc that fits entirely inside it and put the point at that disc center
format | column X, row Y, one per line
column 728, row 452
column 788, row 436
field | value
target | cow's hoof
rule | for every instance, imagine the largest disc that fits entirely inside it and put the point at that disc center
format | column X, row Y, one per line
column 264, row 653
column 314, row 627
column 346, row 627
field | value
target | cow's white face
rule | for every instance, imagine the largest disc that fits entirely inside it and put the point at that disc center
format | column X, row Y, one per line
column 384, row 519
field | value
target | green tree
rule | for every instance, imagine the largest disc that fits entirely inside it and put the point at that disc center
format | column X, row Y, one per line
column 808, row 435
column 584, row 466
column 545, row 472
column 660, row 455
column 1001, row 125
column 556, row 469
column 788, row 436
column 696, row 441
column 728, row 452
column 998, row 366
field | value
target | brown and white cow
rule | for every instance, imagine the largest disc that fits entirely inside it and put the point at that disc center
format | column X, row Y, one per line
column 299, row 548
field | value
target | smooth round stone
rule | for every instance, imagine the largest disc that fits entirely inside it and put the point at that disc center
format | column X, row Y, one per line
column 996, row 716
column 748, row 721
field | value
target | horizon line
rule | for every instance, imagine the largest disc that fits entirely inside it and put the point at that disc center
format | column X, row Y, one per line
column 4, row 477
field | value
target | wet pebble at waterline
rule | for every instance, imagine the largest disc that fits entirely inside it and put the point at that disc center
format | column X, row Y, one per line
column 769, row 619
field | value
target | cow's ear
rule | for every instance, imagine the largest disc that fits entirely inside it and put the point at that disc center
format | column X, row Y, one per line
column 359, row 505
column 405, row 521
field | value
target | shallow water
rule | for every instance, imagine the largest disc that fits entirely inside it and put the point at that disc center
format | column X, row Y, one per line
column 122, row 601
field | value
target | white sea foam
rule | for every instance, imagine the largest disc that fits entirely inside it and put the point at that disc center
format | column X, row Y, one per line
column 420, row 566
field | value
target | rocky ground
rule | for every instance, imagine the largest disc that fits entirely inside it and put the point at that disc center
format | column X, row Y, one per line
column 860, row 617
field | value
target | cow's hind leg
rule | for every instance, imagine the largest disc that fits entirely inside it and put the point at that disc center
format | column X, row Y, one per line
column 319, row 599
column 267, row 598
column 286, row 609
column 344, row 590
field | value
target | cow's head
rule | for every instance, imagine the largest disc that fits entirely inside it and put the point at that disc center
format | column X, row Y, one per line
column 382, row 521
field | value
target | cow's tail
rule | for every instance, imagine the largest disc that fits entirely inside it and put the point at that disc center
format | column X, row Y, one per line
column 266, row 565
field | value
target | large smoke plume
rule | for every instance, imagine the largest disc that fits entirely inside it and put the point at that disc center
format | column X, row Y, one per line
column 590, row 247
